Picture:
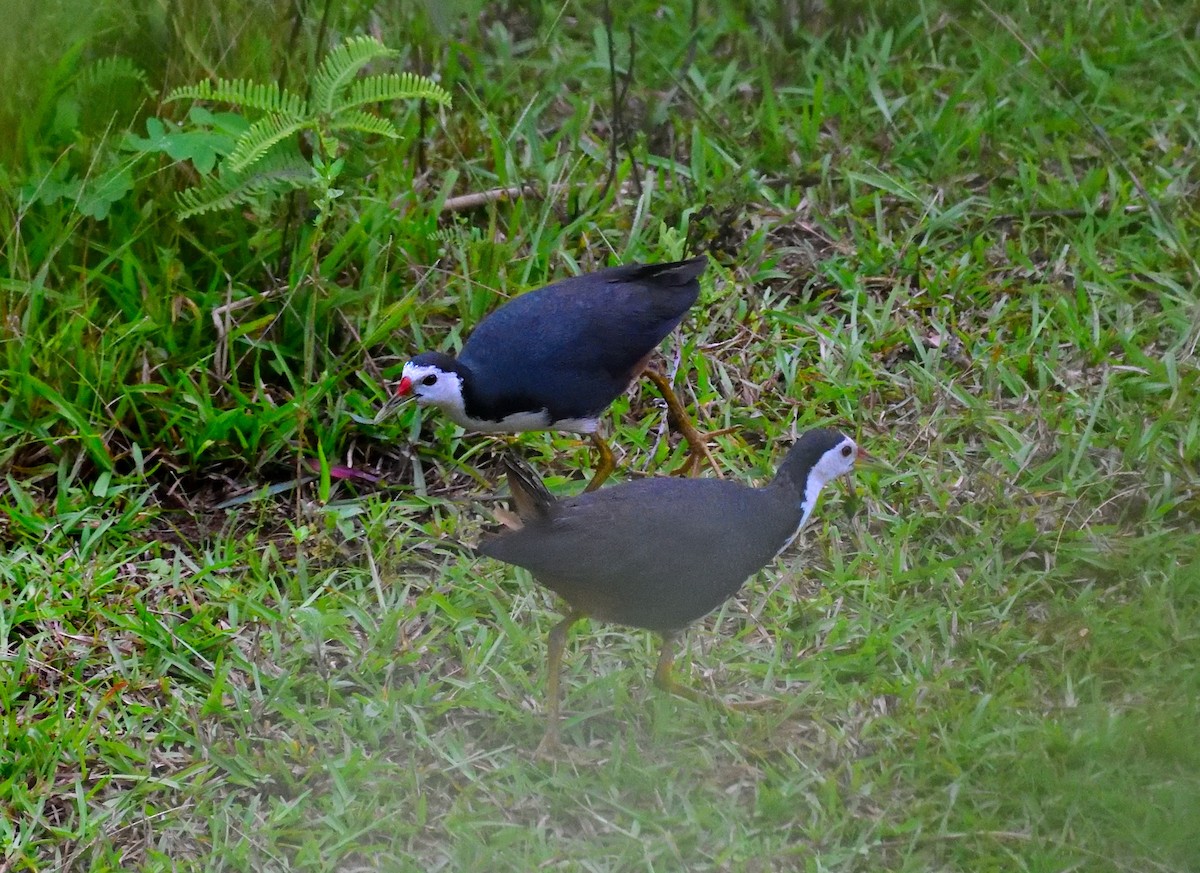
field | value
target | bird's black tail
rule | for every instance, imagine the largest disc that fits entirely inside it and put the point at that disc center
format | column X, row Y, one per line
column 672, row 274
column 531, row 499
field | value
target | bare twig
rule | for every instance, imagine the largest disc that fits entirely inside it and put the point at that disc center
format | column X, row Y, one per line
column 467, row 202
column 477, row 199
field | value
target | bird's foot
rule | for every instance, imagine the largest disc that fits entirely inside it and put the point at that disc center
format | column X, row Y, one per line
column 551, row 748
column 757, row 705
column 666, row 682
column 698, row 451
column 678, row 417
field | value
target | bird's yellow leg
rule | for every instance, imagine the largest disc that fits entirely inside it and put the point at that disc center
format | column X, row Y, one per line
column 697, row 442
column 551, row 743
column 664, row 678
column 605, row 467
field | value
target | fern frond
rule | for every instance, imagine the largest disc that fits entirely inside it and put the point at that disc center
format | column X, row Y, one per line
column 394, row 86
column 108, row 71
column 243, row 92
column 227, row 189
column 208, row 197
column 363, row 122
column 457, row 234
column 260, row 137
column 340, row 66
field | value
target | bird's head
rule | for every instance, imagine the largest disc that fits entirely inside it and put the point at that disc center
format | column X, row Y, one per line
column 838, row 459
column 431, row 379
column 816, row 459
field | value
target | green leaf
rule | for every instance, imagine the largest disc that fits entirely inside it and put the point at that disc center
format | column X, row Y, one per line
column 364, row 122
column 243, row 92
column 106, row 72
column 232, row 124
column 66, row 117
column 395, row 86
column 57, row 184
column 71, row 413
column 201, row 147
column 262, row 136
column 286, row 169
column 340, row 67
column 98, row 195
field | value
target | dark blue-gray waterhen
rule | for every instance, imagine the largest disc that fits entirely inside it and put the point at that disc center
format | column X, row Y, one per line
column 557, row 357
column 660, row 553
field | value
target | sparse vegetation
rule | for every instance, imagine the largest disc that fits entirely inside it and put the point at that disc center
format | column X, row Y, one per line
column 966, row 234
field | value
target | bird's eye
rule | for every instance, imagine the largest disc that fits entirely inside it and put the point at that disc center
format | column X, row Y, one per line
column 431, row 379
column 846, row 451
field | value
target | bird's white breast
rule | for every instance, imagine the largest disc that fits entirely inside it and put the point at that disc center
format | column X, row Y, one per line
column 517, row 422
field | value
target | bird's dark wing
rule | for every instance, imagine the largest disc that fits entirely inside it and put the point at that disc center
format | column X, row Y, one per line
column 574, row 346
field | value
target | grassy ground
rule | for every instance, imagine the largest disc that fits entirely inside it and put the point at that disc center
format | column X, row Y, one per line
column 966, row 235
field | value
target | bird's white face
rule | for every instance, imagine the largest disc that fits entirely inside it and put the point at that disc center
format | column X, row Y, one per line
column 836, row 462
column 432, row 386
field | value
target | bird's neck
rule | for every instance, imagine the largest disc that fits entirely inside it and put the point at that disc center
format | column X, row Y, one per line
column 803, row 500
column 803, row 495
column 808, row 500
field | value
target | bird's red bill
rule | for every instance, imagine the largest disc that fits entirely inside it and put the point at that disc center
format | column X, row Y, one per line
column 404, row 387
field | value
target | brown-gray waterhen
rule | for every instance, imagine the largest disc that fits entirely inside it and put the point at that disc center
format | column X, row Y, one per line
column 660, row 553
column 557, row 357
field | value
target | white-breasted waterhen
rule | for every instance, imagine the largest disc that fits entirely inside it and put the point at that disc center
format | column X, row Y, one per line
column 660, row 553
column 557, row 357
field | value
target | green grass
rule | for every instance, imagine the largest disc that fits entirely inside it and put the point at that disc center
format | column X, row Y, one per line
column 966, row 236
